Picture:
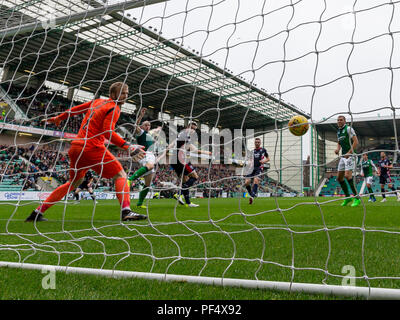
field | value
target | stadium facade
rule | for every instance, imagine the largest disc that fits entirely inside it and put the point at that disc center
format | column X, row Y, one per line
column 88, row 46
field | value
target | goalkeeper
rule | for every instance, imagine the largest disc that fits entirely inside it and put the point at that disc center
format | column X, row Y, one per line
column 144, row 138
column 88, row 151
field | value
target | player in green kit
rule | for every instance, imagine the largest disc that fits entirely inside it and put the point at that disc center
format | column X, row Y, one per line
column 148, row 162
column 347, row 142
column 367, row 171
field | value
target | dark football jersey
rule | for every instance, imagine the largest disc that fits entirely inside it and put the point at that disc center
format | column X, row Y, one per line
column 88, row 176
column 181, row 150
column 384, row 162
column 258, row 155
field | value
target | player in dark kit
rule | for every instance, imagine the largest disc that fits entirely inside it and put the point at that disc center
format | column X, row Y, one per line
column 260, row 157
column 86, row 185
column 384, row 166
column 182, row 166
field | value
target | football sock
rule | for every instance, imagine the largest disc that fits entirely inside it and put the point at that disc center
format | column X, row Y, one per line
column 248, row 188
column 142, row 195
column 255, row 189
column 185, row 193
column 345, row 189
column 371, row 193
column 76, row 195
column 141, row 171
column 383, row 192
column 352, row 186
column 93, row 196
column 185, row 188
column 122, row 192
column 54, row 197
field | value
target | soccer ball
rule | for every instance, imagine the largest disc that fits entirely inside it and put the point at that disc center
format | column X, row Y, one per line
column 298, row 125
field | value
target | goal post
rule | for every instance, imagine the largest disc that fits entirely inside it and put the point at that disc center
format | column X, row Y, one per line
column 238, row 72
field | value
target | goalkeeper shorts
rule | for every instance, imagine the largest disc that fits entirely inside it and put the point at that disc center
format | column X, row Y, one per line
column 100, row 160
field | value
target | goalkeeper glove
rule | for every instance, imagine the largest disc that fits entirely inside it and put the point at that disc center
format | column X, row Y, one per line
column 135, row 150
column 54, row 120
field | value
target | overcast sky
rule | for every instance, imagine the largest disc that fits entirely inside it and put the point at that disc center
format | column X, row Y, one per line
column 250, row 38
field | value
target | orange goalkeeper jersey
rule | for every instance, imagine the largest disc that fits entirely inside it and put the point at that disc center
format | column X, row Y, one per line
column 98, row 123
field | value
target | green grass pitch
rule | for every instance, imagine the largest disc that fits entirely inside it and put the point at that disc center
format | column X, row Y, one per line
column 275, row 239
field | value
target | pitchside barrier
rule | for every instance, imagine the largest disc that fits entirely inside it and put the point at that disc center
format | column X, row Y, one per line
column 42, row 195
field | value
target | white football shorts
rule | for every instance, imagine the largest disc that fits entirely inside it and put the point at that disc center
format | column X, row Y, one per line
column 348, row 164
column 149, row 158
column 369, row 180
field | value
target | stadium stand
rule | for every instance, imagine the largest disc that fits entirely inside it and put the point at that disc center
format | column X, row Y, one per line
column 17, row 164
column 37, row 105
column 38, row 164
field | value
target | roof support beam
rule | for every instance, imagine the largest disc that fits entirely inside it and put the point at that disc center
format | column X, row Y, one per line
column 104, row 10
column 225, row 74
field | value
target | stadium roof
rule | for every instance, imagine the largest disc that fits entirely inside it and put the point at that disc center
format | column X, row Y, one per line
column 93, row 45
column 378, row 127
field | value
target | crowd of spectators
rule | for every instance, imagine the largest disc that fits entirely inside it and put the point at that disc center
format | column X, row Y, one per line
column 51, row 160
column 12, row 167
column 37, row 105
column 48, row 103
column 47, row 160
column 213, row 181
column 25, row 165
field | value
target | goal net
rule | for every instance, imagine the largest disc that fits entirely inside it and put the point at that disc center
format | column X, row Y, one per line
column 240, row 72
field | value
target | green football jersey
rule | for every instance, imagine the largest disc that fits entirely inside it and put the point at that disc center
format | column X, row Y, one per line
column 367, row 167
column 344, row 136
column 145, row 139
